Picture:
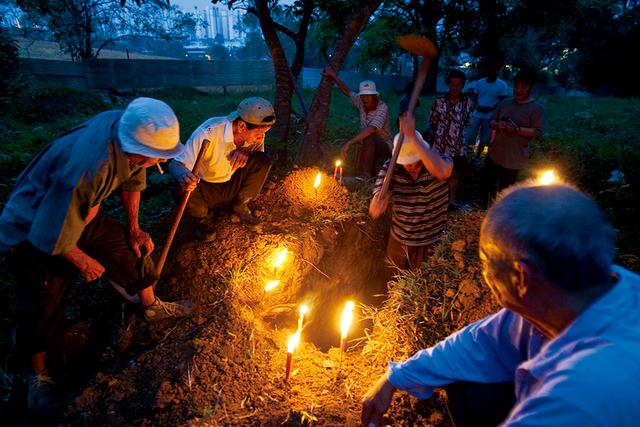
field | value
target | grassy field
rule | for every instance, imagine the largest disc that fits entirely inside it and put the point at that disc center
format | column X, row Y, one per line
column 585, row 139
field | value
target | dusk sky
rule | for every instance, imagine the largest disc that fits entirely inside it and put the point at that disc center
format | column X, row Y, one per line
column 189, row 4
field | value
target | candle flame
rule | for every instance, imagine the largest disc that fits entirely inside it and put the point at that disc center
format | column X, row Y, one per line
column 346, row 319
column 548, row 177
column 294, row 340
column 271, row 285
column 304, row 309
column 316, row 183
column 280, row 258
column 338, row 163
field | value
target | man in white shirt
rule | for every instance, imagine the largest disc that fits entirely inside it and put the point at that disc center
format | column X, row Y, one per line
column 234, row 167
column 487, row 93
column 566, row 346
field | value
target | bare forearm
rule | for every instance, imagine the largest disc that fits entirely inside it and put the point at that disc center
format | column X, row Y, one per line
column 77, row 257
column 131, row 204
column 529, row 132
column 435, row 164
column 364, row 133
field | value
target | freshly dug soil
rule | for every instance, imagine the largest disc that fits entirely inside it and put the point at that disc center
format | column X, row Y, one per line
column 225, row 364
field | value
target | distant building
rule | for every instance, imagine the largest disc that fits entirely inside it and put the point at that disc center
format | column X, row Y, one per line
column 220, row 24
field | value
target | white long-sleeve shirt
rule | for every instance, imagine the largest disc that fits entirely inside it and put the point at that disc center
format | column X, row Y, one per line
column 586, row 376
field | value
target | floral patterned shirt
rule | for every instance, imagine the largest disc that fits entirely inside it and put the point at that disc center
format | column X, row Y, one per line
column 447, row 122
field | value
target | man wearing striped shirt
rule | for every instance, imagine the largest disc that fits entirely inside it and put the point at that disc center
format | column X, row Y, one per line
column 419, row 194
column 375, row 132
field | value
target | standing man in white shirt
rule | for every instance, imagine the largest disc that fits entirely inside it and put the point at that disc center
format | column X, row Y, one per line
column 234, row 167
column 564, row 351
column 487, row 93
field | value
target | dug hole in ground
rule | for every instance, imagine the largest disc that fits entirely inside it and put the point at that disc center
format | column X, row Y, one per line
column 225, row 365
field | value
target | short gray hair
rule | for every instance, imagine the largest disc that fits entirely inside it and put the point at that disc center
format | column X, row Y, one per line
column 559, row 229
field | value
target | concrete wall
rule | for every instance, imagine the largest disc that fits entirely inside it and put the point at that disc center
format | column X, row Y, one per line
column 384, row 83
column 126, row 74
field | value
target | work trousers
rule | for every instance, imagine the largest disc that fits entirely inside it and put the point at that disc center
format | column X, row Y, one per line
column 495, row 178
column 371, row 149
column 479, row 405
column 479, row 125
column 44, row 282
column 458, row 177
column 245, row 185
column 403, row 257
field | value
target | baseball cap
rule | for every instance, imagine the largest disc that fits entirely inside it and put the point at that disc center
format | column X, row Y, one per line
column 368, row 87
column 408, row 154
column 255, row 110
column 150, row 128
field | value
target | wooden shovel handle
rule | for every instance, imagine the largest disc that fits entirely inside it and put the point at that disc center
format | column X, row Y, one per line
column 180, row 210
column 417, row 88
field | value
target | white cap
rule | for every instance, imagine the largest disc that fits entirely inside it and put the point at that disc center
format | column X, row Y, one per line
column 150, row 128
column 368, row 87
column 408, row 153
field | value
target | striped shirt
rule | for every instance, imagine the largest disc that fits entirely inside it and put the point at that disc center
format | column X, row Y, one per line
column 378, row 118
column 418, row 212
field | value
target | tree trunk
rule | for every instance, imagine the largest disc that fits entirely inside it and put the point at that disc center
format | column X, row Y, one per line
column 309, row 149
column 284, row 88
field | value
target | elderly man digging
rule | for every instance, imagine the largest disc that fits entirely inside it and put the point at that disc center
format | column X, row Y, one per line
column 564, row 351
column 234, row 166
column 375, row 133
column 53, row 227
column 419, row 194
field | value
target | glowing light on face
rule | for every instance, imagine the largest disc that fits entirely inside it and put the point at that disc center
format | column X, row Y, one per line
column 280, row 258
column 316, row 183
column 548, row 177
column 346, row 319
column 271, row 285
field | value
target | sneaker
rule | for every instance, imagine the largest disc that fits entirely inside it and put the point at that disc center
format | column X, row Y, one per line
column 244, row 213
column 161, row 310
column 39, row 392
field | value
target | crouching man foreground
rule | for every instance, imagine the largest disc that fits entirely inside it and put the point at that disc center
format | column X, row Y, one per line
column 564, row 351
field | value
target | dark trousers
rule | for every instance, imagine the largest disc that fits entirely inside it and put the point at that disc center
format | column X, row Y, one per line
column 245, row 184
column 479, row 405
column 495, row 178
column 371, row 149
column 44, row 282
column 458, row 176
column 401, row 256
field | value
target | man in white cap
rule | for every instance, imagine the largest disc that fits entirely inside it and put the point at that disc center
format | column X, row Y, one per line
column 375, row 132
column 234, row 167
column 52, row 226
column 419, row 195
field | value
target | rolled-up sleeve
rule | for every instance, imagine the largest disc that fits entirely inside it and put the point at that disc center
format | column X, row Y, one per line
column 487, row 351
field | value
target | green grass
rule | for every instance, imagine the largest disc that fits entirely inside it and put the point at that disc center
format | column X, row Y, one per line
column 585, row 139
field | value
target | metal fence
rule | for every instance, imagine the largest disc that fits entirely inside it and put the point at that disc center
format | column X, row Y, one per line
column 128, row 74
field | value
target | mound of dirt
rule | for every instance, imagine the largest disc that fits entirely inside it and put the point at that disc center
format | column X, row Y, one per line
column 225, row 365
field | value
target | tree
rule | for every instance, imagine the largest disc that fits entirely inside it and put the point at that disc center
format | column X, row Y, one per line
column 267, row 12
column 309, row 149
column 84, row 27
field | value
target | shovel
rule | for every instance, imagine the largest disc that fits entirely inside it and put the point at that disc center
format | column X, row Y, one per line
column 180, row 210
column 419, row 46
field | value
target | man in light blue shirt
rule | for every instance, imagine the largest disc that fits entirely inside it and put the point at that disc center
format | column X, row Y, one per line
column 568, row 338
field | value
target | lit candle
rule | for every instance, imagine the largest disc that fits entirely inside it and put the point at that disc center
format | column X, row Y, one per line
column 340, row 172
column 304, row 309
column 335, row 171
column 345, row 323
column 280, row 258
column 316, row 183
column 271, row 285
column 547, row 177
column 291, row 346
